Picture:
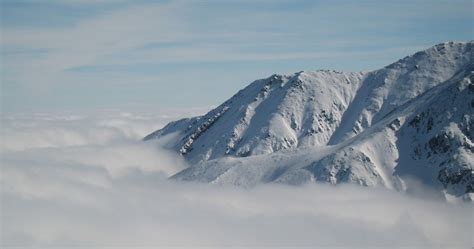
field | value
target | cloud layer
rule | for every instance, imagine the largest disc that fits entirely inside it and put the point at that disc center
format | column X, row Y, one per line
column 86, row 180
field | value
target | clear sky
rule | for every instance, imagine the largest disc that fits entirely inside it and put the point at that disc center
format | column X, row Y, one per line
column 86, row 54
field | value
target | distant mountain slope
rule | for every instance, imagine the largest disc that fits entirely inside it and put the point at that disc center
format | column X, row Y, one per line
column 409, row 120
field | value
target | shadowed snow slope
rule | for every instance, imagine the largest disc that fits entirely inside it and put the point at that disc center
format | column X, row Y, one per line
column 407, row 124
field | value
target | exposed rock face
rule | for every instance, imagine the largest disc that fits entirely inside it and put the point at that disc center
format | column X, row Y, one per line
column 439, row 138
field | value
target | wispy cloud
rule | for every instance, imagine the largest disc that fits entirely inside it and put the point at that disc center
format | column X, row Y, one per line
column 261, row 37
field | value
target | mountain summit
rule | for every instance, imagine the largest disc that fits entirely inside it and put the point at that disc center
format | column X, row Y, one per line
column 411, row 121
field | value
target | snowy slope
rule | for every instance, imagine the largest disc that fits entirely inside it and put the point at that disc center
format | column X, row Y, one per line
column 280, row 112
column 363, row 128
column 428, row 139
column 385, row 89
column 436, row 141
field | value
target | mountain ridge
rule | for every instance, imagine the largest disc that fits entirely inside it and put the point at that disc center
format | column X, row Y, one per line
column 322, row 111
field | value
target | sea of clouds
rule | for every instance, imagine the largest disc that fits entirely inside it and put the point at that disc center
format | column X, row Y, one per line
column 87, row 180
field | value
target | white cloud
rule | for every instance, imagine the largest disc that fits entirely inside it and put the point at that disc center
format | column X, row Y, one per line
column 102, row 187
column 103, row 127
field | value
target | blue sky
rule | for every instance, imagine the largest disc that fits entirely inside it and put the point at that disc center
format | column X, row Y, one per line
column 87, row 54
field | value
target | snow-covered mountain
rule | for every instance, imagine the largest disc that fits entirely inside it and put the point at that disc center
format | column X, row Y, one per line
column 412, row 121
